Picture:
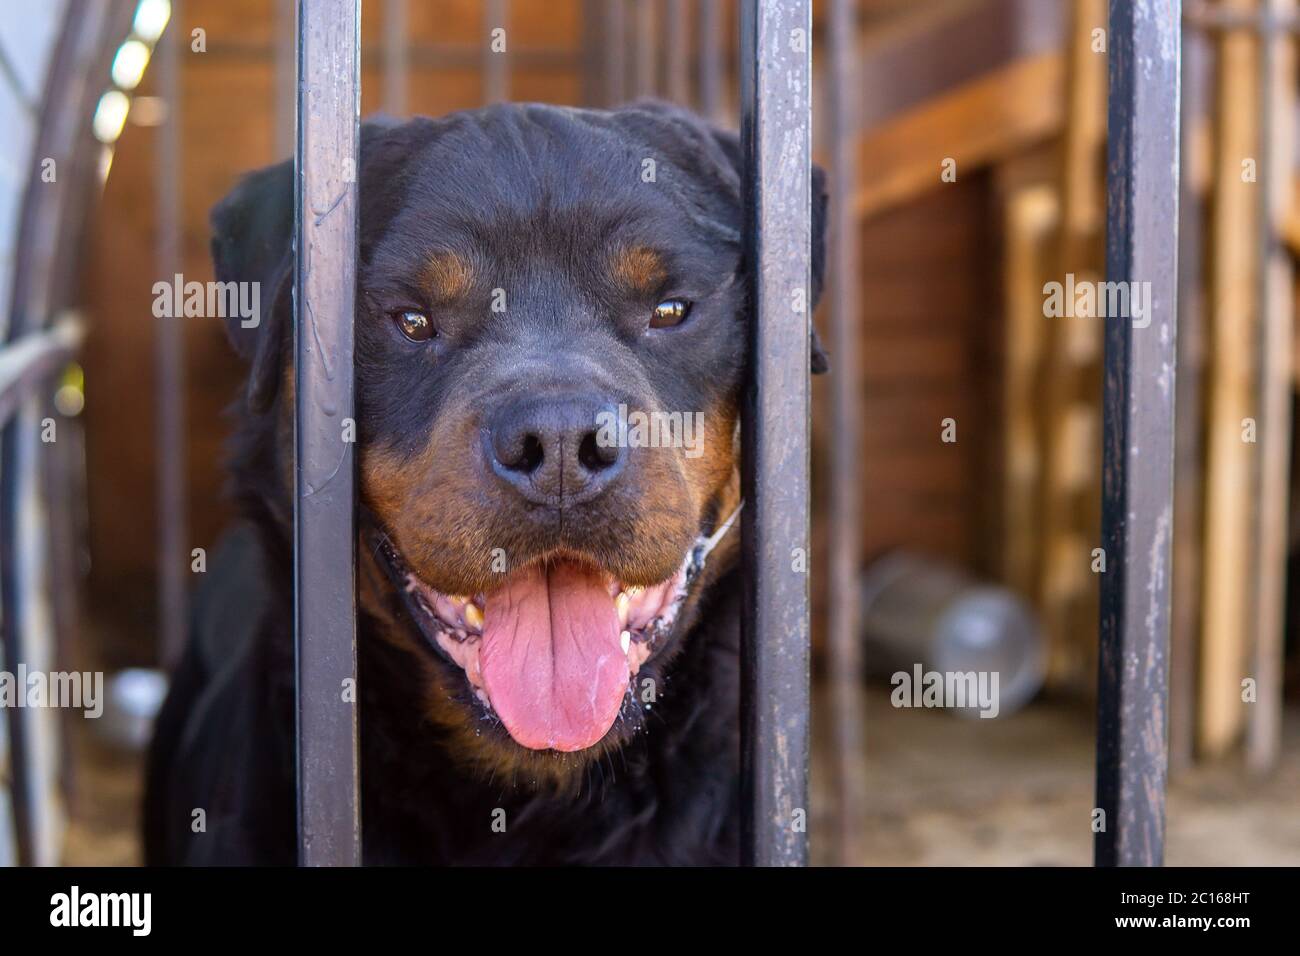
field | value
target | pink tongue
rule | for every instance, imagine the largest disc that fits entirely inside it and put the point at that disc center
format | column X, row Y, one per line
column 551, row 659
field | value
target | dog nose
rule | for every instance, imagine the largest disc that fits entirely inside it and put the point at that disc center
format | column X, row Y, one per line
column 550, row 448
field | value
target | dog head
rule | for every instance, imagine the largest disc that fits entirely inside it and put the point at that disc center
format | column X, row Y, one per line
column 550, row 348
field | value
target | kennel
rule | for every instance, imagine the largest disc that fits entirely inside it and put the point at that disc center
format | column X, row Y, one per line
column 774, row 42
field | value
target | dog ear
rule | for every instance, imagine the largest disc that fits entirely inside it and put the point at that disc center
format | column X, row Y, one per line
column 252, row 241
column 686, row 138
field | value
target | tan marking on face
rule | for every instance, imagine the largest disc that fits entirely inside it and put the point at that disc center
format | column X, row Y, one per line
column 639, row 270
column 447, row 276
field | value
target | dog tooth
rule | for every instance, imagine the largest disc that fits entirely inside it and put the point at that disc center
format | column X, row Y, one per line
column 473, row 616
column 625, row 640
column 621, row 603
column 635, row 589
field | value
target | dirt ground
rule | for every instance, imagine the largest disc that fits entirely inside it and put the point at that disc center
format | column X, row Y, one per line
column 1018, row 791
column 942, row 791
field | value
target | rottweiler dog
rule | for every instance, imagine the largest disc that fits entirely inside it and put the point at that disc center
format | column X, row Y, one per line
column 548, row 602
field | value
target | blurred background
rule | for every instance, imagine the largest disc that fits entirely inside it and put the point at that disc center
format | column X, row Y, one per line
column 965, row 141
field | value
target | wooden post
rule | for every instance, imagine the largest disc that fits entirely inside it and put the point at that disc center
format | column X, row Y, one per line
column 1229, row 473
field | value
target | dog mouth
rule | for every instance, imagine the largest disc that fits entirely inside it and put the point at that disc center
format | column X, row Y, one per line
column 553, row 651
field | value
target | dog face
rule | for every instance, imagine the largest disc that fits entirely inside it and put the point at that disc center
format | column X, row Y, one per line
column 550, row 349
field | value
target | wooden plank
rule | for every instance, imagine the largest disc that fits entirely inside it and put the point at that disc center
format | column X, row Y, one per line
column 997, row 116
column 1185, row 624
column 936, row 48
column 1071, row 348
column 1030, row 218
column 1229, row 486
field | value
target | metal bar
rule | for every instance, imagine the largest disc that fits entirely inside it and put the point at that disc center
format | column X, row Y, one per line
column 397, row 61
column 89, row 34
column 169, row 361
column 1138, row 414
column 496, row 76
column 615, row 12
column 710, row 58
column 846, row 425
column 27, row 363
column 594, row 51
column 644, row 49
column 1275, row 276
column 325, row 205
column 675, row 50
column 13, row 649
column 776, row 70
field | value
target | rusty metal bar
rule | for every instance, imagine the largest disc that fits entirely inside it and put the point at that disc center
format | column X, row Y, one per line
column 1138, row 414
column 709, row 54
column 496, row 76
column 325, row 206
column 776, row 71
column 845, row 530
column 169, row 360
column 397, row 60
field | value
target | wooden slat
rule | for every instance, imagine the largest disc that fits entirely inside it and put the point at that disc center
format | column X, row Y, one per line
column 1230, row 461
column 997, row 116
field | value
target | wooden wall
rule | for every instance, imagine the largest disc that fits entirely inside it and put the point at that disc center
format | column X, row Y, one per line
column 930, row 351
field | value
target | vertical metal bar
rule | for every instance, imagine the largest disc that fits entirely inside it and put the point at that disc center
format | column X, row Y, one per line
column 776, row 68
column 846, row 426
column 675, row 51
column 14, row 599
column 45, row 222
column 1276, row 79
column 644, row 48
column 496, row 78
column 285, row 66
column 325, row 205
column 710, row 58
column 1138, row 412
column 595, row 49
column 615, row 13
column 396, row 56
column 169, row 359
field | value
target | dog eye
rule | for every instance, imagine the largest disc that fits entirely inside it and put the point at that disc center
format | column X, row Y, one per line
column 669, row 312
column 414, row 325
